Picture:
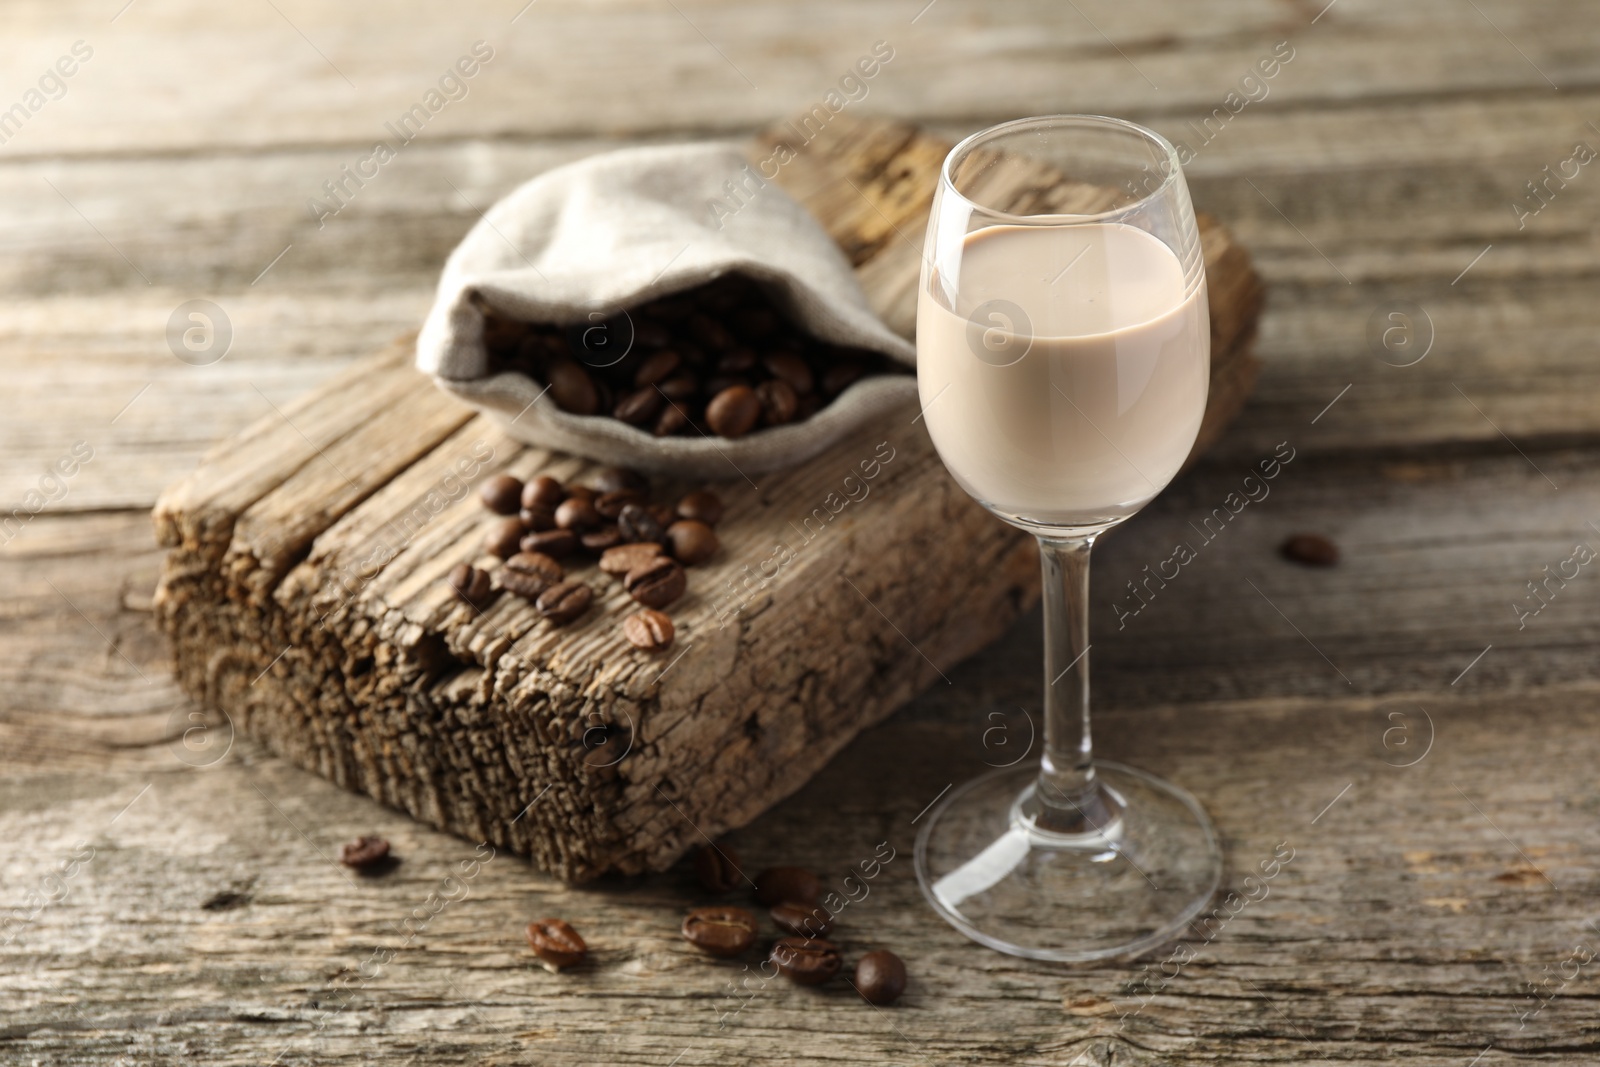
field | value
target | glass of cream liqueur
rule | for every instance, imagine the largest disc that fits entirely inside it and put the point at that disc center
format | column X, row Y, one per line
column 1063, row 358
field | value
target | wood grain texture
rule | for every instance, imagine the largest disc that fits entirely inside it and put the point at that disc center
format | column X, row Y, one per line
column 306, row 600
column 1408, row 926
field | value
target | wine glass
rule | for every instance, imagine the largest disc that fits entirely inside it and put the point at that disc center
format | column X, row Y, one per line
column 1063, row 351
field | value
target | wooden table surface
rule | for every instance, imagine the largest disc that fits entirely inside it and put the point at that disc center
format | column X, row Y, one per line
column 1425, row 750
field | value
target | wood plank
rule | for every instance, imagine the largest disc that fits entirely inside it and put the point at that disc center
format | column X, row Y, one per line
column 311, row 74
column 1404, row 929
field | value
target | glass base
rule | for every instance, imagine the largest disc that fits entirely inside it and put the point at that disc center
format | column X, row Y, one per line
column 1123, row 889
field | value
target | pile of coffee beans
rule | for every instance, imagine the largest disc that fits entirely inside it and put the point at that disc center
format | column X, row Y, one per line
column 720, row 359
column 792, row 894
column 644, row 545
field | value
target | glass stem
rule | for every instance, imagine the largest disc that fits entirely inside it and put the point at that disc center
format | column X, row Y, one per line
column 1068, row 799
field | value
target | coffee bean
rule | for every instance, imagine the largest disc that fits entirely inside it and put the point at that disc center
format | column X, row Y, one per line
column 719, row 382
column 529, row 574
column 610, row 505
column 648, row 629
column 564, row 602
column 571, row 387
column 881, row 977
column 501, row 494
column 717, row 868
column 790, row 368
column 656, row 368
column 472, row 585
column 504, row 537
column 366, row 851
column 582, row 492
column 662, row 513
column 611, row 479
column 673, row 419
column 657, row 583
column 538, row 518
column 680, row 387
column 709, row 332
column 802, row 920
column 577, row 515
column 648, row 334
column 791, row 885
column 806, row 960
column 624, row 558
column 557, row 544
column 839, row 377
column 737, row 361
column 543, row 491
column 640, row 406
column 702, row 505
column 638, row 523
column 598, row 541
column 556, row 943
column 692, row 542
column 778, row 402
column 720, row 930
column 733, row 411
column 1313, row 550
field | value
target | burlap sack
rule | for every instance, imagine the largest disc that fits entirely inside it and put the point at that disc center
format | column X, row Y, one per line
column 613, row 231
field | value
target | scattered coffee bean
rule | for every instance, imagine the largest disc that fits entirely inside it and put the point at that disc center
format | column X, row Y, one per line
column 472, row 585
column 364, row 852
column 702, row 505
column 806, row 960
column 624, row 558
column 571, row 387
column 733, row 411
column 611, row 479
column 792, row 885
column 657, row 583
column 717, row 868
column 692, row 542
column 557, row 544
column 501, row 494
column 598, row 541
column 538, row 518
column 638, row 523
column 577, row 515
column 610, row 505
column 881, row 976
column 556, row 943
column 543, row 491
column 648, row 629
column 528, row 574
column 802, row 920
column 504, row 537
column 1313, row 550
column 564, row 602
column 720, row 930
column 779, row 404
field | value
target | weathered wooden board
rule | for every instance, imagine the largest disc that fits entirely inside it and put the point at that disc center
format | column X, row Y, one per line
column 306, row 602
